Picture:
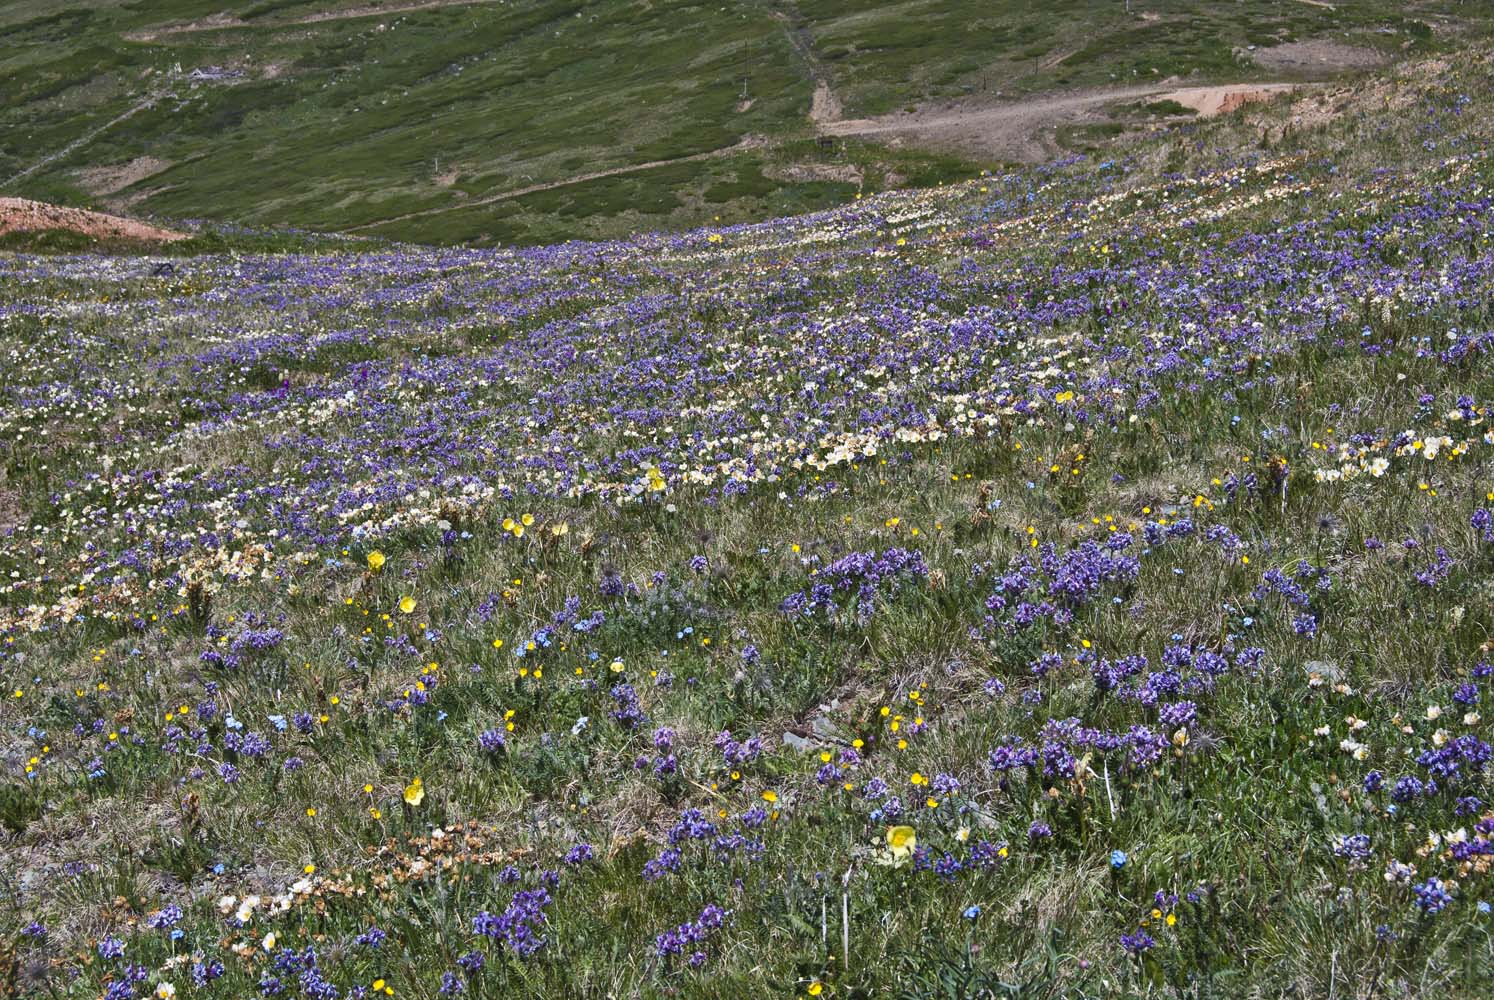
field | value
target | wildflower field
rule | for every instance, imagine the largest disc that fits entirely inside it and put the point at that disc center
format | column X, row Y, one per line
column 1076, row 581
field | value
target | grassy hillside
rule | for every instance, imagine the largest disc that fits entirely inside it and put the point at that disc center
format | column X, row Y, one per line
column 1071, row 582
column 338, row 115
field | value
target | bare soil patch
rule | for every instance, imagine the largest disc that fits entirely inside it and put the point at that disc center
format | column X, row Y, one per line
column 800, row 173
column 1024, row 131
column 1211, row 101
column 825, row 107
column 1318, row 57
column 21, row 215
column 118, row 176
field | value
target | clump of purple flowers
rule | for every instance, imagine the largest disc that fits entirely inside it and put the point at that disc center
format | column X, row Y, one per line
column 864, row 576
column 627, row 711
column 519, row 925
column 737, row 753
column 1432, row 896
column 1355, row 847
column 692, row 934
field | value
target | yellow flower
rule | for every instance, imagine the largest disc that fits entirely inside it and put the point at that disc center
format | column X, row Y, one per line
column 770, row 796
column 527, row 520
column 415, row 792
column 901, row 840
column 407, row 604
column 376, row 560
column 815, row 988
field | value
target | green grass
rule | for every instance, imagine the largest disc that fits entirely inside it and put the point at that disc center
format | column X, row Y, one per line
column 350, row 121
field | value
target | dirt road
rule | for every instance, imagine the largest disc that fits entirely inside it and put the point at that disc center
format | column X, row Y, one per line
column 1023, row 131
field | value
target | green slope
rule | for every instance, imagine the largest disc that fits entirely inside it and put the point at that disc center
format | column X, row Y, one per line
column 337, row 115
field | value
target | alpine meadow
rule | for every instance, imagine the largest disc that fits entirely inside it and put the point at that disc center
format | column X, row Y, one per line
column 849, row 500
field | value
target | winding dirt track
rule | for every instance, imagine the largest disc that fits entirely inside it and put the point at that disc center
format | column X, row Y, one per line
column 218, row 22
column 1020, row 131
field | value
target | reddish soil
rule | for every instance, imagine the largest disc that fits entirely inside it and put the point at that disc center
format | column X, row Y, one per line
column 21, row 215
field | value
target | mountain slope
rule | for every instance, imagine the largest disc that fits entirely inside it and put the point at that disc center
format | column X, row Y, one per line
column 331, row 115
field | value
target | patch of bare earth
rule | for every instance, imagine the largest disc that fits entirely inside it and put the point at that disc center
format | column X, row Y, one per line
column 1211, row 101
column 100, row 181
column 1025, row 131
column 825, row 107
column 1318, row 57
column 21, row 215
column 799, row 173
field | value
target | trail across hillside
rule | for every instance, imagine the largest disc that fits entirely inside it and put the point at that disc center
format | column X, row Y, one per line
column 1018, row 130
column 82, row 140
column 218, row 22
column 710, row 154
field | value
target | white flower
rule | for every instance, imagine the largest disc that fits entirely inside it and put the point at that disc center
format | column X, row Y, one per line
column 165, row 991
column 1434, row 712
column 268, row 944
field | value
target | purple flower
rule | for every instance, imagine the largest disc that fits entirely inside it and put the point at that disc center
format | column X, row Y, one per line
column 518, row 926
column 692, row 932
column 1432, row 896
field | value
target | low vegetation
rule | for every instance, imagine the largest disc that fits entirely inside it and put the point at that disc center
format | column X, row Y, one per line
column 1070, row 581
